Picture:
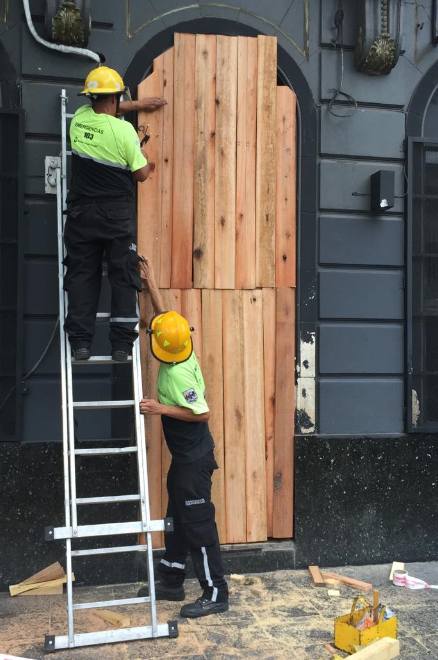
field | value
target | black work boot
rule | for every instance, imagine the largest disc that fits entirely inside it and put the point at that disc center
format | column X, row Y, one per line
column 163, row 592
column 81, row 353
column 204, row 606
column 119, row 355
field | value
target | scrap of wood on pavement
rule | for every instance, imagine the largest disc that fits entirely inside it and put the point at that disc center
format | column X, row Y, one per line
column 280, row 614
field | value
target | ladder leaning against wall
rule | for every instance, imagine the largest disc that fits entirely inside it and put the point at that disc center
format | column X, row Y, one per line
column 56, row 180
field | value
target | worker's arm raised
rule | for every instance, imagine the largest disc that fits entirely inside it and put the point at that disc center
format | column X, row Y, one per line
column 149, row 104
column 142, row 174
column 148, row 277
column 153, row 407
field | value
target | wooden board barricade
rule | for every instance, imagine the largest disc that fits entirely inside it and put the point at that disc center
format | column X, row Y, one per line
column 218, row 220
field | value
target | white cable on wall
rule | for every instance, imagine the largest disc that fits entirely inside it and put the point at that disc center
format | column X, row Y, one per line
column 59, row 47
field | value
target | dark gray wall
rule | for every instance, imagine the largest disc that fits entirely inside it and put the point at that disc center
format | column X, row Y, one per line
column 359, row 309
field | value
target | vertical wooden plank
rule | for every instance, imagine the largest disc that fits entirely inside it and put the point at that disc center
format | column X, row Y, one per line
column 171, row 300
column 191, row 308
column 246, row 162
column 213, row 376
column 167, row 171
column 203, row 206
column 269, row 396
column 284, row 413
column 225, row 163
column 149, row 192
column 152, row 422
column 266, row 161
column 254, row 416
column 234, row 416
column 285, row 225
column 183, row 151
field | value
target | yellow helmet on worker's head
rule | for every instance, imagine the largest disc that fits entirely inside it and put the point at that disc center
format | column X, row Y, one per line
column 103, row 80
column 171, row 341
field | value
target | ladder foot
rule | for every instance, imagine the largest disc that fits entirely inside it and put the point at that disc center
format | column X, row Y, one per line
column 49, row 643
column 168, row 524
column 49, row 533
column 173, row 628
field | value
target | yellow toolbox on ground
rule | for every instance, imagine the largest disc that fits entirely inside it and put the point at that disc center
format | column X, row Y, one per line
column 365, row 623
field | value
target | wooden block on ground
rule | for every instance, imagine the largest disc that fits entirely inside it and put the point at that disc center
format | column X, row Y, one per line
column 213, row 376
column 269, row 378
column 51, row 572
column 285, row 224
column 183, row 155
column 57, row 590
column 234, row 416
column 16, row 589
column 246, row 162
column 225, row 163
column 114, row 618
column 255, row 416
column 266, row 168
column 383, row 649
column 203, row 205
column 284, row 414
column 350, row 582
column 316, row 576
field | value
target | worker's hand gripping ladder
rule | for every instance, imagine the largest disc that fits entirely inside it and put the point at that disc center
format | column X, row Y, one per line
column 72, row 529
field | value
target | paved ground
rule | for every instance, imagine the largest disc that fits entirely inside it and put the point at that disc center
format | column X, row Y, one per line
column 278, row 615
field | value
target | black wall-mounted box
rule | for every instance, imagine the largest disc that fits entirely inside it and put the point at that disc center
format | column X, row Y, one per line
column 382, row 191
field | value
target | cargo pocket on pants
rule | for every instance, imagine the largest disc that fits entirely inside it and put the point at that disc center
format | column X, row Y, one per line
column 199, row 523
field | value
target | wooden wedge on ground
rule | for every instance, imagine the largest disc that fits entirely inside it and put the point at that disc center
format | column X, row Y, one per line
column 383, row 649
column 16, row 589
column 115, row 618
column 41, row 583
column 316, row 576
column 350, row 582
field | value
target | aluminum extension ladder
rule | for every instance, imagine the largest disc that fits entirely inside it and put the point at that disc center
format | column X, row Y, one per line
column 72, row 529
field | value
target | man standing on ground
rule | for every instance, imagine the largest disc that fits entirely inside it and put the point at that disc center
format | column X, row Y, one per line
column 184, row 415
column 107, row 161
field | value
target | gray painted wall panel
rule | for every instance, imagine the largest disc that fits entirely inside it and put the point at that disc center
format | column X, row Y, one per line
column 361, row 406
column 45, row 116
column 40, row 232
column 394, row 89
column 350, row 348
column 357, row 135
column 339, row 179
column 41, row 287
column 373, row 241
column 362, row 294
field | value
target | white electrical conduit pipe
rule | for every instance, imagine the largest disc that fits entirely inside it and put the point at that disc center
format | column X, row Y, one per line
column 59, row 47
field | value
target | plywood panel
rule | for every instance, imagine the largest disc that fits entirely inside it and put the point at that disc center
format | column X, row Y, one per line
column 246, row 162
column 255, row 416
column 191, row 309
column 167, row 171
column 284, row 413
column 213, row 375
column 266, row 161
column 269, row 396
column 285, row 225
column 225, row 162
column 183, row 153
column 205, row 113
column 234, row 416
column 149, row 192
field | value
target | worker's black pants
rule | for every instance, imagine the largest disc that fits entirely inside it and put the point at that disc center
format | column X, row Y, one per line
column 93, row 229
column 195, row 531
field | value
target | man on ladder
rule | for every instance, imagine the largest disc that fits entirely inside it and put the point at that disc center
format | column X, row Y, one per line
column 107, row 161
column 184, row 414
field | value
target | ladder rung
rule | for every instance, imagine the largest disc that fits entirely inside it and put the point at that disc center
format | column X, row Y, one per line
column 68, row 152
column 106, row 450
column 111, row 603
column 69, row 115
column 88, row 405
column 56, row 642
column 108, row 529
column 107, row 499
column 99, row 359
column 109, row 551
column 103, row 315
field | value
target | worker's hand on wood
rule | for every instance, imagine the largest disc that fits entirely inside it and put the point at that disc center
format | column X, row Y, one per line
column 150, row 104
column 150, row 407
column 146, row 271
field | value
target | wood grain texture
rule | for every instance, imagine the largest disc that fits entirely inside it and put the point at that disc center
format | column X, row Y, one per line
column 212, row 369
column 234, row 416
column 284, row 413
column 225, row 162
column 191, row 308
column 254, row 416
column 266, row 169
column 204, row 193
column 269, row 397
column 246, row 162
column 149, row 192
column 167, row 171
column 183, row 164
column 285, row 225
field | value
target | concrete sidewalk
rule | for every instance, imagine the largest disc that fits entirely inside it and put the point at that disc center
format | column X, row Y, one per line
column 280, row 615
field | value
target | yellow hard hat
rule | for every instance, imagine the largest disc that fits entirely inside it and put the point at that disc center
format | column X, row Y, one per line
column 170, row 338
column 103, row 80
